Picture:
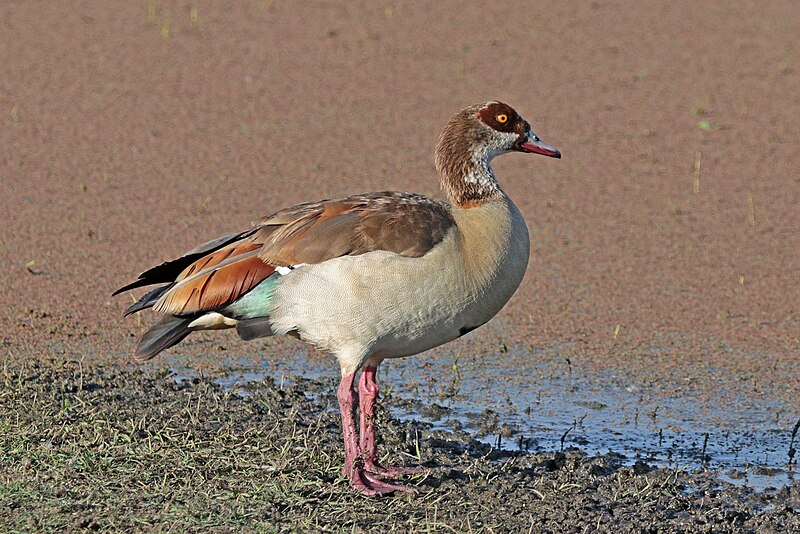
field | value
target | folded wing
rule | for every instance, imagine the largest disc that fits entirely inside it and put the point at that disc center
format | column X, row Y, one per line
column 221, row 271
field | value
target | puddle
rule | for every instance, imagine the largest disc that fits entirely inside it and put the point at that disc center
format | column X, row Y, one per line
column 541, row 403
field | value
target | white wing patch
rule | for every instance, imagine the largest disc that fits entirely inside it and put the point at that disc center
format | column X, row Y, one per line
column 212, row 321
column 283, row 271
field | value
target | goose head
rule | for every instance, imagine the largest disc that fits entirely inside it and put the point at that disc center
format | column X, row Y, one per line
column 472, row 138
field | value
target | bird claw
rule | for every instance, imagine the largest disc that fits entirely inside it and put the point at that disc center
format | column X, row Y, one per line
column 375, row 468
column 369, row 485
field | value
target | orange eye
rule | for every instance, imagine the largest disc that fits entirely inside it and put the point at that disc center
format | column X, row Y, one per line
column 502, row 118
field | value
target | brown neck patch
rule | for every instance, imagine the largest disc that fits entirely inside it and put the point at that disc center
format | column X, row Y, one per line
column 476, row 203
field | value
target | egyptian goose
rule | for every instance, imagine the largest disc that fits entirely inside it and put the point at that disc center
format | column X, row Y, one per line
column 368, row 277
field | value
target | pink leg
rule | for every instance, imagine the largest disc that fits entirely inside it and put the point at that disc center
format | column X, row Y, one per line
column 353, row 463
column 346, row 397
column 368, row 395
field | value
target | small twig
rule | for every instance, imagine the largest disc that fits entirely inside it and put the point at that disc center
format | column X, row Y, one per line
column 80, row 368
column 697, row 156
column 792, row 450
column 564, row 436
column 703, row 457
column 752, row 211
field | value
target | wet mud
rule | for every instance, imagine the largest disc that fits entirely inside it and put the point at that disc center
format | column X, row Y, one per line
column 105, row 447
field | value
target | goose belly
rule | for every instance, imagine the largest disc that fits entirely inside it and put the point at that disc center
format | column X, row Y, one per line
column 386, row 305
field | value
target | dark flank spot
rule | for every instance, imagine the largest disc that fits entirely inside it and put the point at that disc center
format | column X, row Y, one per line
column 464, row 330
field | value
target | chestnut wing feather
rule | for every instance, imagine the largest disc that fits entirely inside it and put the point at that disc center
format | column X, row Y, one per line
column 217, row 284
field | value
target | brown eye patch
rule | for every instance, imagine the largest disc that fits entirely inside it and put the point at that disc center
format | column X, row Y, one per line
column 499, row 116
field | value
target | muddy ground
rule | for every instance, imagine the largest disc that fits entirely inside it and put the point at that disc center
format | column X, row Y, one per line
column 114, row 448
column 664, row 242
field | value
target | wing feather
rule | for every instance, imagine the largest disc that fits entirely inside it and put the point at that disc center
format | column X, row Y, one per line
column 215, row 286
column 403, row 223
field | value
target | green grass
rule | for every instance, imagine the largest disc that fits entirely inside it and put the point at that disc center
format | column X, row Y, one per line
column 120, row 455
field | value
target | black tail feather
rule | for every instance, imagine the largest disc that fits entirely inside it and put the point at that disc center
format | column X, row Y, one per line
column 147, row 301
column 169, row 270
column 169, row 331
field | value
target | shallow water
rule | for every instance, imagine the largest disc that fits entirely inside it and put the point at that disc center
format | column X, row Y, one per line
column 540, row 403
column 567, row 407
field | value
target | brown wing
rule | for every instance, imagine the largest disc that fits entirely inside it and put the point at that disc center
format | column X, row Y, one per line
column 223, row 270
column 407, row 224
